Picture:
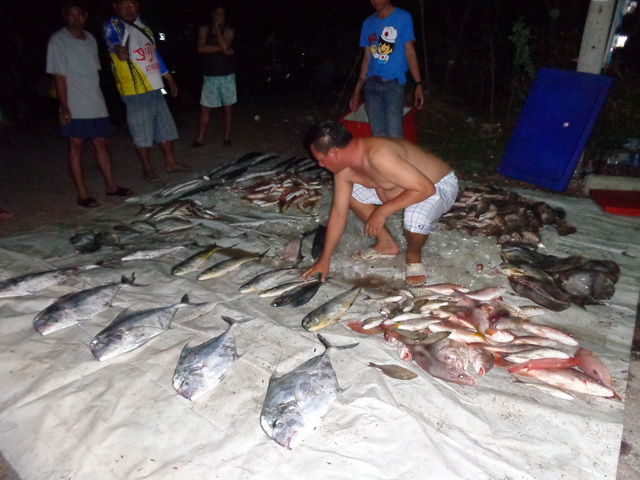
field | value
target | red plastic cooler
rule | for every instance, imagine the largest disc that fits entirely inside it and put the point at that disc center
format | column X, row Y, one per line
column 358, row 123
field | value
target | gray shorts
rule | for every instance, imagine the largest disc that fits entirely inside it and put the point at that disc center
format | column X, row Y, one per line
column 218, row 91
column 420, row 217
column 149, row 118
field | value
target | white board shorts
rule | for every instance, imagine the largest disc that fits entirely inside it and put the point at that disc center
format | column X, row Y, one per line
column 418, row 218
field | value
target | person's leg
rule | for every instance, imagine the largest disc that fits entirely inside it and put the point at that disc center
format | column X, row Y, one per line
column 144, row 155
column 140, row 123
column 165, row 133
column 385, row 243
column 393, row 109
column 75, row 167
column 228, row 120
column 103, row 159
column 415, row 244
column 203, row 123
column 374, row 106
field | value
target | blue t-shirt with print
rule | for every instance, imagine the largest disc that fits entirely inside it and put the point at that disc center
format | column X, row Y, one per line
column 385, row 38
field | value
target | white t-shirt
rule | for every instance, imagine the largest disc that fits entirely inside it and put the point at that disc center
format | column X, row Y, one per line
column 78, row 61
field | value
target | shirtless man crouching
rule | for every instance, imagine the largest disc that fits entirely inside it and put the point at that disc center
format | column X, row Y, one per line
column 377, row 177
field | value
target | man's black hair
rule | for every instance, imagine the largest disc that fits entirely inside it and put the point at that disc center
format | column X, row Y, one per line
column 66, row 5
column 327, row 135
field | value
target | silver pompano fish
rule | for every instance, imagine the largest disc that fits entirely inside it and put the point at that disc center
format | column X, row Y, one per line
column 331, row 311
column 128, row 331
column 202, row 367
column 296, row 402
column 73, row 307
column 34, row 282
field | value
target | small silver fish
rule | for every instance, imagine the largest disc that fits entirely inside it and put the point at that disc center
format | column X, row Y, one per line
column 331, row 311
column 34, row 282
column 226, row 266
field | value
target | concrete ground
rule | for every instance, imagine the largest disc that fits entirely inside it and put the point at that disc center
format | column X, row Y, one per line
column 36, row 188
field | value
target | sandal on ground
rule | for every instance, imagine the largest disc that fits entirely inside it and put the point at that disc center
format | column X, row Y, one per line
column 151, row 177
column 196, row 144
column 120, row 192
column 179, row 168
column 88, row 202
column 370, row 254
column 413, row 270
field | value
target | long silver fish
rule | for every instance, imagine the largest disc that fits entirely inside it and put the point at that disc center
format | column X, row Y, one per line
column 331, row 311
column 151, row 253
column 202, row 367
column 128, row 330
column 34, row 282
column 226, row 266
column 73, row 307
column 297, row 401
column 265, row 280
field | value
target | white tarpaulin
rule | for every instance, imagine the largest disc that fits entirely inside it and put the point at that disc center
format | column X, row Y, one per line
column 66, row 415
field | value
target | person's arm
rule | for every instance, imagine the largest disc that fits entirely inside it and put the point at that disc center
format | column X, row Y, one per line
column 354, row 102
column 415, row 186
column 414, row 69
column 60, row 82
column 224, row 41
column 115, row 36
column 342, row 190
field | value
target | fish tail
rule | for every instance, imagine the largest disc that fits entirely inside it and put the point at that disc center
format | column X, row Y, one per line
column 233, row 321
column 327, row 344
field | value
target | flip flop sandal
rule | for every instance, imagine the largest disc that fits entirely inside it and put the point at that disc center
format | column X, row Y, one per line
column 120, row 192
column 179, row 169
column 151, row 177
column 88, row 203
column 415, row 270
column 370, row 254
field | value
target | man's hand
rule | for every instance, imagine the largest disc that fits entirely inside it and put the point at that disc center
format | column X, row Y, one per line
column 419, row 97
column 375, row 224
column 321, row 266
column 121, row 52
column 64, row 116
column 171, row 83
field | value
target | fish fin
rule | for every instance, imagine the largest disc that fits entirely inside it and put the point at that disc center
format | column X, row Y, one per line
column 233, row 321
column 184, row 299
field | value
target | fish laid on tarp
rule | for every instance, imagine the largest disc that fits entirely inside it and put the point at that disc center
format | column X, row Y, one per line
column 202, row 367
column 265, row 280
column 85, row 242
column 129, row 330
column 34, row 282
column 150, row 254
column 572, row 380
column 548, row 295
column 427, row 361
column 395, row 371
column 226, row 266
column 331, row 311
column 298, row 296
column 195, row 261
column 296, row 402
column 73, row 307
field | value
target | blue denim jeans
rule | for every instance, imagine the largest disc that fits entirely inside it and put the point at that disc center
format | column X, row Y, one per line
column 384, row 104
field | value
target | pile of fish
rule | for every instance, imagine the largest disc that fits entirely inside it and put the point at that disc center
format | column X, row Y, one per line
column 558, row 282
column 506, row 215
column 279, row 189
column 448, row 330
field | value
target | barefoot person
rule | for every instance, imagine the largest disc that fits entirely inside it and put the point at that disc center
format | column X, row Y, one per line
column 72, row 59
column 377, row 177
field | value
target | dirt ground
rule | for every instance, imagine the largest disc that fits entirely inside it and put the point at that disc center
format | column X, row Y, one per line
column 36, row 188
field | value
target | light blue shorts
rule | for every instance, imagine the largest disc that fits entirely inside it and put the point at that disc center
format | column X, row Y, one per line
column 420, row 217
column 219, row 91
column 149, row 118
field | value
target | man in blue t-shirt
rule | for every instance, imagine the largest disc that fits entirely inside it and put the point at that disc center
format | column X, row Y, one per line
column 387, row 40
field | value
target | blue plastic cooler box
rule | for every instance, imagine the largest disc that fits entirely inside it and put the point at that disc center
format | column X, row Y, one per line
column 554, row 126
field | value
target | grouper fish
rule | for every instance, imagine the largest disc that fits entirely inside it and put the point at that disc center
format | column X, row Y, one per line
column 73, row 307
column 297, row 401
column 202, row 367
column 129, row 331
